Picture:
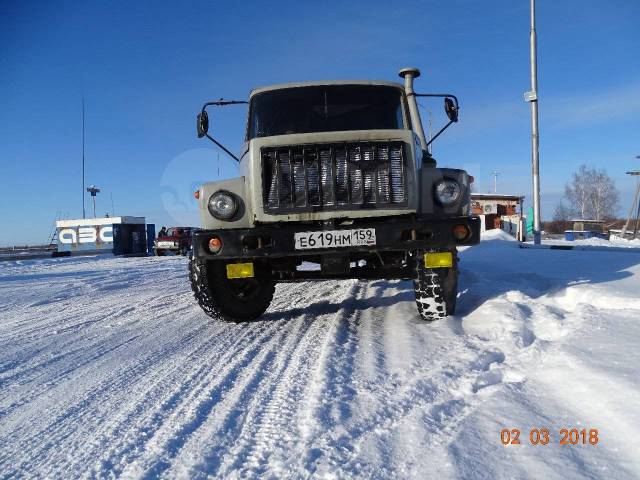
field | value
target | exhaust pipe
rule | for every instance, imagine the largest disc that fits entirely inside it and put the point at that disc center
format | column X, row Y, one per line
column 409, row 74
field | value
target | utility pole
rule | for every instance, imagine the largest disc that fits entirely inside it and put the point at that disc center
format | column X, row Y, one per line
column 83, row 210
column 532, row 97
column 635, row 206
column 495, row 174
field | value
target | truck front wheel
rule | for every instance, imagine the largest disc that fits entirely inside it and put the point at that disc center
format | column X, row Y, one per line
column 238, row 300
column 436, row 289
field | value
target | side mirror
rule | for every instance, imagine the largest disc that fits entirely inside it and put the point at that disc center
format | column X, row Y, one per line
column 203, row 124
column 451, row 109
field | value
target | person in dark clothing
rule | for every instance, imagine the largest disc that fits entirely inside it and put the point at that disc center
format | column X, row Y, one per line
column 162, row 232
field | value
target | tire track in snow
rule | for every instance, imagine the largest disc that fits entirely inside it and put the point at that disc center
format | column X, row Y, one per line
column 69, row 414
column 108, row 385
column 330, row 401
column 265, row 345
column 162, row 414
column 115, row 386
column 160, row 450
column 275, row 423
column 72, row 360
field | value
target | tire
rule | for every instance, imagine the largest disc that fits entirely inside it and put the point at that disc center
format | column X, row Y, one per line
column 158, row 252
column 240, row 300
column 436, row 289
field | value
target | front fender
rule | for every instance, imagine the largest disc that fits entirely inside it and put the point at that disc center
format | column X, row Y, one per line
column 429, row 206
column 236, row 186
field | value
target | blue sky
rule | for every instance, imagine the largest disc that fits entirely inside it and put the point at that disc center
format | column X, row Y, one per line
column 145, row 68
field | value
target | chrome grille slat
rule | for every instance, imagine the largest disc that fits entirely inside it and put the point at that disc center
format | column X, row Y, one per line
column 342, row 175
column 328, row 179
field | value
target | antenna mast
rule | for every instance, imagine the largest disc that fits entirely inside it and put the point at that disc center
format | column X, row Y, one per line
column 83, row 211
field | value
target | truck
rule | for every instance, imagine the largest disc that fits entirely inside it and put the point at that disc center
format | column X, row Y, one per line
column 176, row 240
column 336, row 182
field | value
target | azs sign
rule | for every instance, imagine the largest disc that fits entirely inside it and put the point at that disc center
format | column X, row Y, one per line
column 86, row 235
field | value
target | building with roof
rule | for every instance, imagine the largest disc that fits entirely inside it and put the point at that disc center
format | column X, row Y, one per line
column 500, row 211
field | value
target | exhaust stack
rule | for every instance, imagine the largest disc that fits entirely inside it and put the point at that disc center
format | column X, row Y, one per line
column 409, row 74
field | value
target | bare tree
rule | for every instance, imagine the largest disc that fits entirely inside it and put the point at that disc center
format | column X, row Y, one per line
column 605, row 195
column 577, row 192
column 563, row 212
column 590, row 194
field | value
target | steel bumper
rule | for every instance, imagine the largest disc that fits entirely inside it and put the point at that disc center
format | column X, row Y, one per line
column 392, row 234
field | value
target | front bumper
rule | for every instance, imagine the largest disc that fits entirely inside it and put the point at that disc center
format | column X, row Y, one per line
column 173, row 247
column 392, row 234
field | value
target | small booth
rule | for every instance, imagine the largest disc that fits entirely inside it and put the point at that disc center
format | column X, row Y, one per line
column 118, row 235
column 583, row 229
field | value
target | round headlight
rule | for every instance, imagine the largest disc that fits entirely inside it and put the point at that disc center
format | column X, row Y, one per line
column 448, row 191
column 223, row 205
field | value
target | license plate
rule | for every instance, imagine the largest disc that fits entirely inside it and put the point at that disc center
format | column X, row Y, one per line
column 166, row 244
column 335, row 238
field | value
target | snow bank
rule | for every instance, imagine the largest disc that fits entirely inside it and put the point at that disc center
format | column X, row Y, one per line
column 598, row 242
column 624, row 242
column 497, row 234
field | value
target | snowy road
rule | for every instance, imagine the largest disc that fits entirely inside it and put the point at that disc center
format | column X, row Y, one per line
column 109, row 368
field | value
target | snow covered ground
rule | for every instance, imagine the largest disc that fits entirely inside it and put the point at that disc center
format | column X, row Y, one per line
column 614, row 241
column 109, row 368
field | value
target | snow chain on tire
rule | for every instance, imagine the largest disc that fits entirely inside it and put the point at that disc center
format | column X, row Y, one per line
column 435, row 289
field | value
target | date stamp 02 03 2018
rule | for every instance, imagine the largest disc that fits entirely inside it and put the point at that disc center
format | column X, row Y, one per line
column 544, row 436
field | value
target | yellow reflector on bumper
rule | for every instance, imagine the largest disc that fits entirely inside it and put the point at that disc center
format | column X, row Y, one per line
column 438, row 260
column 240, row 270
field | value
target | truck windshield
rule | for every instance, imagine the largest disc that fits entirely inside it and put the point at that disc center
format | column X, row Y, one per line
column 325, row 108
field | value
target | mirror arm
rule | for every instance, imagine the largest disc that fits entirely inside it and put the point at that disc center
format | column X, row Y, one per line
column 438, row 134
column 441, row 95
column 222, row 103
column 222, row 147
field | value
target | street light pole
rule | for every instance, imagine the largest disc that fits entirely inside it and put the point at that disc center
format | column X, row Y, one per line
column 532, row 97
column 93, row 190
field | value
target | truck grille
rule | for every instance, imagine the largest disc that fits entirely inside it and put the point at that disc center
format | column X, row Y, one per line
column 333, row 176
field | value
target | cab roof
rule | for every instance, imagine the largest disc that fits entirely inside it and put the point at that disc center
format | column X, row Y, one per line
column 281, row 86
